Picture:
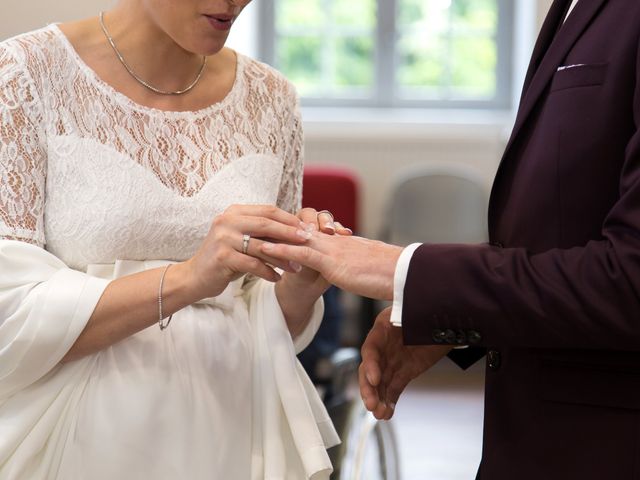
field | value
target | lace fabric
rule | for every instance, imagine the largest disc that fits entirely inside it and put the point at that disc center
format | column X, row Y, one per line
column 111, row 188
column 96, row 177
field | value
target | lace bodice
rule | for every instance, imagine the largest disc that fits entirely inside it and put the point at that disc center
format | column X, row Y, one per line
column 96, row 177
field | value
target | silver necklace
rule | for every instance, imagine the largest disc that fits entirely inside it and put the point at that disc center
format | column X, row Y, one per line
column 140, row 80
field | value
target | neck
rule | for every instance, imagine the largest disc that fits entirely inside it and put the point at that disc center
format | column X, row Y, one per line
column 148, row 50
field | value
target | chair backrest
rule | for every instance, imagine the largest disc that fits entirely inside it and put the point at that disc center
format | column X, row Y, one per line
column 335, row 189
column 437, row 204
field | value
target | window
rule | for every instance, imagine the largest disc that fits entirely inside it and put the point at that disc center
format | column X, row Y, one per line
column 392, row 53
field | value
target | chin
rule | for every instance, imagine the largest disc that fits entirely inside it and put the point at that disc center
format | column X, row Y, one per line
column 209, row 46
column 213, row 51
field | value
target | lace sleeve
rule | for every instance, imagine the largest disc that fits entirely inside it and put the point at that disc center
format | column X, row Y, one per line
column 22, row 156
column 290, row 195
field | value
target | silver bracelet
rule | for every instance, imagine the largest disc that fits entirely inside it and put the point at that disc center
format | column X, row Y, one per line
column 161, row 323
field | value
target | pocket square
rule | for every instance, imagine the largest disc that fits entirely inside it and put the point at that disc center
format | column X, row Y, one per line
column 567, row 67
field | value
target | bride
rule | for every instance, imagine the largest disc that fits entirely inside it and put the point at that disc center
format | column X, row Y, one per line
column 141, row 165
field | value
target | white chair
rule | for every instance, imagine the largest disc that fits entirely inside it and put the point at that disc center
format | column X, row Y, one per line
column 443, row 203
column 369, row 448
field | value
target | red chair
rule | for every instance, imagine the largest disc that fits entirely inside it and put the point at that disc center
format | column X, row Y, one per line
column 335, row 189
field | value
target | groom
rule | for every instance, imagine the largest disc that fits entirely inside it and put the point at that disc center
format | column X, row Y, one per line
column 553, row 301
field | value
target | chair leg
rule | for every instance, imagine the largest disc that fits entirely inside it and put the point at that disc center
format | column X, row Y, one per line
column 364, row 438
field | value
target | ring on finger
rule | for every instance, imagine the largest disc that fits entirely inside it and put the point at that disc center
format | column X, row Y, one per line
column 245, row 243
column 325, row 211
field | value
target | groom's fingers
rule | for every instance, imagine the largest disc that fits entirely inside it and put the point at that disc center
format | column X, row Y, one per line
column 342, row 230
column 371, row 362
column 368, row 392
column 384, row 411
column 394, row 390
column 372, row 354
column 377, row 399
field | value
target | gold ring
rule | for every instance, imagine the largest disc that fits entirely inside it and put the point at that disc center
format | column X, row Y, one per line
column 245, row 243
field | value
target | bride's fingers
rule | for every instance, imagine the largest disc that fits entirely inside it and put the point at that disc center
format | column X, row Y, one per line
column 234, row 227
column 254, row 250
column 246, row 264
column 267, row 211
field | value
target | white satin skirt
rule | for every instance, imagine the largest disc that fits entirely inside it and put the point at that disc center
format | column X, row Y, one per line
column 217, row 395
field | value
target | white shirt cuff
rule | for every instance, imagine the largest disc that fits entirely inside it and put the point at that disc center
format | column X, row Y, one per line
column 399, row 280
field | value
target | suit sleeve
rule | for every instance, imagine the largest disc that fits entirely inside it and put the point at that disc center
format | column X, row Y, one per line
column 587, row 297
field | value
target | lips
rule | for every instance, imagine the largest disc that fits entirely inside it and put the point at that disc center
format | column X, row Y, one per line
column 220, row 21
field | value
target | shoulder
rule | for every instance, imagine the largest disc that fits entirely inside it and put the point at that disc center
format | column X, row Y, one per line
column 264, row 77
column 28, row 46
column 27, row 53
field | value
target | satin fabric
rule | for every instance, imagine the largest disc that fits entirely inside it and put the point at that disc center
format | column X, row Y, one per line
column 160, row 405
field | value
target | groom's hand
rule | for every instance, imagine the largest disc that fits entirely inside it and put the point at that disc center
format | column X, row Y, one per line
column 322, row 221
column 307, row 279
column 297, row 292
column 358, row 265
column 388, row 365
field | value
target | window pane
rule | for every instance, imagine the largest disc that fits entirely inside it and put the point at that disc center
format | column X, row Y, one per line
column 422, row 63
column 430, row 14
column 355, row 13
column 438, row 51
column 327, row 47
column 447, row 49
column 479, row 15
column 294, row 13
column 299, row 59
column 354, row 66
column 473, row 68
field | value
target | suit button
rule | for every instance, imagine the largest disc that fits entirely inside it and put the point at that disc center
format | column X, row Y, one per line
column 474, row 337
column 438, row 336
column 449, row 336
column 494, row 359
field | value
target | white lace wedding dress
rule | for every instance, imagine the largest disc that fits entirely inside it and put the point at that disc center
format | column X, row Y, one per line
column 94, row 186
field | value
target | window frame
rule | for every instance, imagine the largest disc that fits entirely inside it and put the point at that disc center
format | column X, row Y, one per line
column 384, row 94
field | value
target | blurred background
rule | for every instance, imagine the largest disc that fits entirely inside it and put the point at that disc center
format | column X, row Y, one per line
column 407, row 106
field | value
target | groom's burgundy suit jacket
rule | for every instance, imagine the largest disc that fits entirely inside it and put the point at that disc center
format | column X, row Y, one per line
column 554, row 299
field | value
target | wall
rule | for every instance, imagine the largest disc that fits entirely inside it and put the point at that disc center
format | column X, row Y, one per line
column 23, row 15
column 377, row 151
column 543, row 8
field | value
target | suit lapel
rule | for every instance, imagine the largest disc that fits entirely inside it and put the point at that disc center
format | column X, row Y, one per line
column 550, row 27
column 545, row 61
column 561, row 44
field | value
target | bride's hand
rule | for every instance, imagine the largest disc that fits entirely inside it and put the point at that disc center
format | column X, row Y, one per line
column 220, row 258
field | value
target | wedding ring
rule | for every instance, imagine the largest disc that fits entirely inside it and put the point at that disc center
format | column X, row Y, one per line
column 245, row 243
column 327, row 212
